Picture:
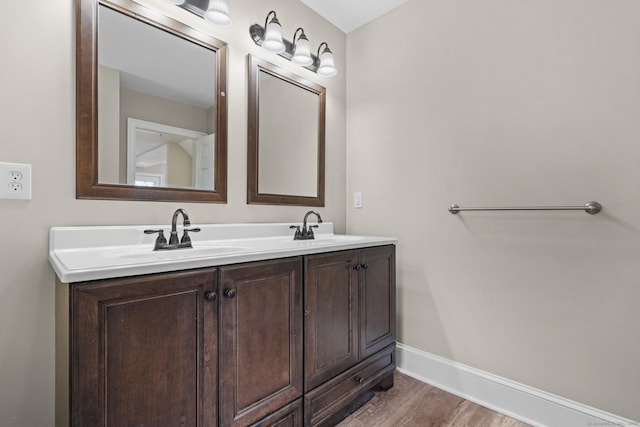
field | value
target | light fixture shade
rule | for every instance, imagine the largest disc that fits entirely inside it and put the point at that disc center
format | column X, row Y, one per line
column 327, row 67
column 218, row 13
column 273, row 37
column 176, row 2
column 302, row 52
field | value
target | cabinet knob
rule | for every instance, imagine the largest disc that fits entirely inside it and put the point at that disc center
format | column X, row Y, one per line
column 360, row 380
column 357, row 267
column 365, row 266
column 211, row 296
column 230, row 293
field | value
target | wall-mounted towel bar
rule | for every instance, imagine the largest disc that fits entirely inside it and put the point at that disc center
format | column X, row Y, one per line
column 589, row 207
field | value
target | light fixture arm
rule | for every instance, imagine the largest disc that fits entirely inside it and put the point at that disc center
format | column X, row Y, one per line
column 296, row 34
column 275, row 17
column 320, row 47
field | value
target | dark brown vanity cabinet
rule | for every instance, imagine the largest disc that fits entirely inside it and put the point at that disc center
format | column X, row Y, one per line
column 144, row 351
column 349, row 328
column 260, row 339
column 285, row 342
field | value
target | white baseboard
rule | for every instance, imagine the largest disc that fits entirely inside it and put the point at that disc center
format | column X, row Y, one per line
column 518, row 401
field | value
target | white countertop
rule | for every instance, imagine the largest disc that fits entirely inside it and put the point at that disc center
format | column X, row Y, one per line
column 79, row 254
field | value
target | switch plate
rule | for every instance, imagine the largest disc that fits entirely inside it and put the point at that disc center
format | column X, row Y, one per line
column 357, row 200
column 15, row 181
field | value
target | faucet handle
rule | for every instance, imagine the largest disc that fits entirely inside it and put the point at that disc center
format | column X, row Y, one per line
column 185, row 237
column 160, row 240
column 298, row 234
column 160, row 231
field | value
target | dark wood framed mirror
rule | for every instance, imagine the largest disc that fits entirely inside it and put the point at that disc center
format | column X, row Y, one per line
column 286, row 140
column 151, row 120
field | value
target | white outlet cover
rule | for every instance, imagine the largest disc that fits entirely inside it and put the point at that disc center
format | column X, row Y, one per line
column 15, row 181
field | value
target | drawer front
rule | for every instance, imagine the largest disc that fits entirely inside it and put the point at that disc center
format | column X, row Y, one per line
column 339, row 392
column 289, row 416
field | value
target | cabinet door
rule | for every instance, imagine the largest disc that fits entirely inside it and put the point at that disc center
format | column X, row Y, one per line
column 144, row 351
column 331, row 315
column 261, row 339
column 377, row 299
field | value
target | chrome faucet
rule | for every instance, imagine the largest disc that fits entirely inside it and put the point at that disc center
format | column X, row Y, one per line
column 185, row 241
column 307, row 232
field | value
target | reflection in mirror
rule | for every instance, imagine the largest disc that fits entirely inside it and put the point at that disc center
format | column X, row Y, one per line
column 286, row 137
column 288, row 130
column 167, row 156
column 161, row 107
column 142, row 74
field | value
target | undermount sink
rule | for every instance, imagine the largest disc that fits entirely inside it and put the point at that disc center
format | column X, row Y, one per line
column 335, row 238
column 199, row 250
column 331, row 239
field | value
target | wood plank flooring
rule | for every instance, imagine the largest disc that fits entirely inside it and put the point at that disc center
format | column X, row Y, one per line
column 411, row 403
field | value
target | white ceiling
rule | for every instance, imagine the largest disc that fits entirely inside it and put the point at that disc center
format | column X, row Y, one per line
column 351, row 14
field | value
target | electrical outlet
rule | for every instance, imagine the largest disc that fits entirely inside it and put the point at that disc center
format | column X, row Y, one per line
column 15, row 175
column 15, row 181
column 15, row 187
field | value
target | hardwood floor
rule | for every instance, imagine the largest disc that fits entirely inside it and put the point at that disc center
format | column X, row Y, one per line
column 412, row 403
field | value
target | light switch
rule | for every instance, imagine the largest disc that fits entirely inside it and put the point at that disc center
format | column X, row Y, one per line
column 357, row 200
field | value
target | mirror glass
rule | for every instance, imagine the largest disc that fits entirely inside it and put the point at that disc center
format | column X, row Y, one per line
column 158, row 100
column 286, row 137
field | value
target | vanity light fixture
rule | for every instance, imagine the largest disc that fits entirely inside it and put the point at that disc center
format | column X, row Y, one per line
column 218, row 13
column 214, row 11
column 272, row 40
column 298, row 51
column 301, row 50
column 326, row 67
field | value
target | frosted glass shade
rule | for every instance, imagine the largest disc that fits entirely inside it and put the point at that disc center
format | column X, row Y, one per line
column 302, row 53
column 273, row 37
column 327, row 67
column 218, row 13
column 176, row 2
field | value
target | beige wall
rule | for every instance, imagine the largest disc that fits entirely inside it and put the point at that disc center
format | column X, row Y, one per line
column 179, row 167
column 38, row 109
column 507, row 102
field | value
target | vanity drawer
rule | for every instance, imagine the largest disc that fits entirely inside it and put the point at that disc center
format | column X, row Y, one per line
column 336, row 394
column 289, row 416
